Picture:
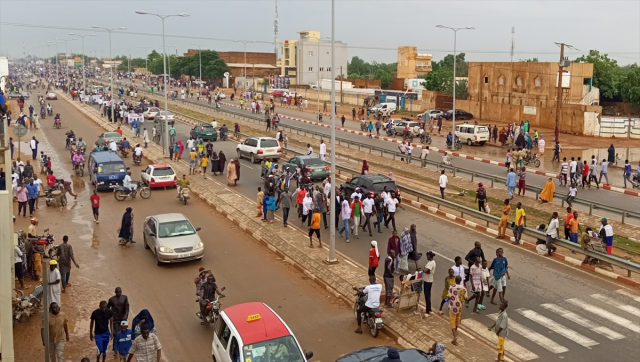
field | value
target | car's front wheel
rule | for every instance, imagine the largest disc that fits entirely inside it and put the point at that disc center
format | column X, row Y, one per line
column 253, row 158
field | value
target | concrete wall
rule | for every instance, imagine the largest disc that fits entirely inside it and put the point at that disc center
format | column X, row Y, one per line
column 407, row 66
column 314, row 60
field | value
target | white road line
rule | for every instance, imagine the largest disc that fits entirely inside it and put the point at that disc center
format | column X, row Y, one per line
column 628, row 294
column 534, row 337
column 558, row 328
column 605, row 314
column 627, row 308
column 580, row 320
column 511, row 347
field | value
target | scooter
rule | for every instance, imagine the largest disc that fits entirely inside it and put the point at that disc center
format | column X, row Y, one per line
column 25, row 306
column 391, row 132
column 213, row 310
column 120, row 193
column 57, row 123
column 183, row 196
column 373, row 318
column 137, row 160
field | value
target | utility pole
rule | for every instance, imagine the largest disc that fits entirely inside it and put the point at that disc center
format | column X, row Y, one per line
column 6, row 245
column 561, row 65
column 341, row 96
column 513, row 41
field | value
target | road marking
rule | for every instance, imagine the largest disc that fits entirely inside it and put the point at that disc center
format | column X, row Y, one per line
column 628, row 294
column 535, row 337
column 510, row 346
column 584, row 322
column 627, row 308
column 605, row 314
column 246, row 165
column 557, row 327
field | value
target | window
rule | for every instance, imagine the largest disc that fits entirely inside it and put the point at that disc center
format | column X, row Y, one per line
column 537, row 82
column 322, row 69
column 501, row 80
column 418, row 64
column 311, row 52
column 486, row 79
column 234, row 350
column 311, row 69
column 519, row 81
column 223, row 332
column 151, row 225
column 328, row 69
column 286, row 52
column 286, row 62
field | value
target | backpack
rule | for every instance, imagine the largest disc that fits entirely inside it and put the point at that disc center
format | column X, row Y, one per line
column 482, row 194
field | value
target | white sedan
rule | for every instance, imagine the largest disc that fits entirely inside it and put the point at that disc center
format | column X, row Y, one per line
column 159, row 175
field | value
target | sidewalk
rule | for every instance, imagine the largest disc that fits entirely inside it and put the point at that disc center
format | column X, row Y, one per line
column 291, row 245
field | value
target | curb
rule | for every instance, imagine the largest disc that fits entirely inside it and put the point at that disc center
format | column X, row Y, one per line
column 456, row 154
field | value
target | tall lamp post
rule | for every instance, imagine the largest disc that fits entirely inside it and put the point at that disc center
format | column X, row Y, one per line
column 455, row 35
column 84, row 81
column 332, row 228
column 318, row 73
column 166, row 81
column 169, row 60
column 146, row 57
column 113, row 118
column 200, row 54
column 66, row 51
column 244, row 43
column 57, row 63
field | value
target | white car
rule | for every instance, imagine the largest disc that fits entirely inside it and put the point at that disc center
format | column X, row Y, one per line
column 51, row 95
column 172, row 238
column 433, row 113
column 165, row 115
column 258, row 148
column 151, row 112
column 159, row 175
column 221, row 95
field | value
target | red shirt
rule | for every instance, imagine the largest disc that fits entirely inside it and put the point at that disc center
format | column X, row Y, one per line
column 373, row 258
column 95, row 200
column 51, row 180
column 585, row 170
column 119, row 131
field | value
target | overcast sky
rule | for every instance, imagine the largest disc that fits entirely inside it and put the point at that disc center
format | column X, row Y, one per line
column 373, row 29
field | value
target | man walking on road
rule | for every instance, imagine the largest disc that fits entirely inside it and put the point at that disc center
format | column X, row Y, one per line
column 427, row 281
column 58, row 333
column 101, row 320
column 604, row 168
column 33, row 144
column 457, row 297
column 511, row 183
column 323, row 150
column 65, row 257
column 119, row 307
column 552, row 233
column 504, row 220
column 627, row 173
column 443, row 183
column 500, row 268
column 95, row 205
column 501, row 328
column 147, row 348
column 54, row 283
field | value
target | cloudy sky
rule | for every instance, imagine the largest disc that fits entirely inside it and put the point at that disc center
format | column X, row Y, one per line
column 373, row 29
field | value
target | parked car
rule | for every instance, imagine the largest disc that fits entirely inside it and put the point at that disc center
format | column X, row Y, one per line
column 172, row 238
column 110, row 137
column 16, row 95
column 151, row 113
column 460, row 114
column 472, row 134
column 399, row 127
column 366, row 183
column 159, row 175
column 318, row 170
column 51, row 96
column 390, row 106
column 433, row 113
column 393, row 121
column 258, row 148
column 204, row 131
column 378, row 353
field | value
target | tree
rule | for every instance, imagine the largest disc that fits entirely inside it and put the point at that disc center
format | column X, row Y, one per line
column 530, row 60
column 630, row 86
column 359, row 69
column 605, row 72
column 213, row 66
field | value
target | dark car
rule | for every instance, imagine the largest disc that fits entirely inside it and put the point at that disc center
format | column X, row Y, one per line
column 316, row 167
column 204, row 131
column 376, row 354
column 366, row 183
column 460, row 114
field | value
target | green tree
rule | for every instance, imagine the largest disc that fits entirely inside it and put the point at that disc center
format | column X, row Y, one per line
column 605, row 72
column 630, row 86
column 530, row 60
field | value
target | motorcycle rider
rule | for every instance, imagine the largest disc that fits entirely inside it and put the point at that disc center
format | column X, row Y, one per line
column 49, row 108
column 182, row 184
column 70, row 135
column 200, row 280
column 373, row 292
column 137, row 152
column 208, row 294
column 223, row 131
column 81, row 145
column 389, row 127
column 449, row 139
column 113, row 146
column 77, row 159
column 57, row 119
column 126, row 182
column 125, row 144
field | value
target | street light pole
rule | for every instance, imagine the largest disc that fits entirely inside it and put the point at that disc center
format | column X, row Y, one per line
column 166, row 82
column 66, row 51
column 84, row 79
column 200, row 54
column 244, row 43
column 169, row 61
column 453, row 115
column 334, row 148
column 113, row 118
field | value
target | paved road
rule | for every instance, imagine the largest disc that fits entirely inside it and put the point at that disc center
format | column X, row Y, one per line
column 536, row 283
column 249, row 271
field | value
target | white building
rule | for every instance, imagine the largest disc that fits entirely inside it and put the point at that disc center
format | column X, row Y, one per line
column 308, row 59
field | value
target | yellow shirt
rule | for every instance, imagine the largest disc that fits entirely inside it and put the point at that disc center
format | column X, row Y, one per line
column 315, row 220
column 520, row 214
column 506, row 210
column 205, row 161
column 193, row 155
column 56, row 327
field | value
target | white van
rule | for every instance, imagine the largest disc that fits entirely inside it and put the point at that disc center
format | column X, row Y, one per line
column 389, row 106
column 472, row 134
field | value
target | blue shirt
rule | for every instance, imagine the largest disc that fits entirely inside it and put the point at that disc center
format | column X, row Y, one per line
column 2, row 101
column 33, row 191
column 627, row 169
column 511, row 179
column 125, row 144
column 134, row 124
column 499, row 266
column 122, row 342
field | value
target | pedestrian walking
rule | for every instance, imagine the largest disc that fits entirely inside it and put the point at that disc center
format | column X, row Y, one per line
column 443, row 183
column 119, row 307
column 511, row 182
column 585, row 174
column 475, row 278
column 500, row 268
column 54, row 283
column 593, row 172
column 564, row 169
column 284, row 201
column 58, row 333
column 604, row 170
column 374, row 258
column 552, row 233
column 429, row 271
column 204, row 162
column 125, row 231
column 321, row 202
column 519, row 224
column 481, row 197
column 627, row 173
column 33, row 144
column 522, row 175
column 95, row 205
column 231, row 173
column 368, row 205
column 504, row 220
column 356, row 214
column 507, row 163
column 345, row 211
column 314, row 227
column 271, row 208
column 378, row 203
column 457, row 295
column 414, row 255
column 122, row 341
column 99, row 329
column 65, row 257
column 147, row 348
column 405, row 248
column 501, row 329
column 33, row 192
column 389, row 269
column 323, row 150
column 611, row 154
column 22, row 194
column 391, row 204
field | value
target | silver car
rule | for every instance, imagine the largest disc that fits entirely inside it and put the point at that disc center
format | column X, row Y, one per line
column 172, row 238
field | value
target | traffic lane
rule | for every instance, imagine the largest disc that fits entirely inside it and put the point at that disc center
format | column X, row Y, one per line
column 169, row 293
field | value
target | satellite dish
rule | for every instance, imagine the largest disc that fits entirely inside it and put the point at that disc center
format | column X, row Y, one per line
column 226, row 74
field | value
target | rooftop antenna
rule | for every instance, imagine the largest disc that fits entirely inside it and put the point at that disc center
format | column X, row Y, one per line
column 275, row 32
column 513, row 41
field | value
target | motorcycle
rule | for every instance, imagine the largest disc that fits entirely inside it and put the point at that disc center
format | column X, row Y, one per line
column 47, row 241
column 213, row 309
column 457, row 146
column 635, row 182
column 407, row 136
column 124, row 152
column 223, row 136
column 363, row 127
column 184, row 195
column 42, row 114
column 120, row 193
column 425, row 138
column 50, row 111
column 70, row 142
column 137, row 160
column 531, row 158
column 26, row 306
column 59, row 186
column 391, row 132
column 57, row 123
column 79, row 169
column 372, row 318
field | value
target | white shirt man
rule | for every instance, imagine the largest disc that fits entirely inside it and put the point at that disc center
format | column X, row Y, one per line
column 54, row 289
column 443, row 180
column 190, row 143
column 126, row 182
column 391, row 204
column 327, row 188
column 428, row 277
column 373, row 292
column 310, row 151
column 458, row 270
column 323, row 150
column 572, row 165
column 113, row 146
column 137, row 151
column 367, row 205
column 552, row 231
column 356, row 193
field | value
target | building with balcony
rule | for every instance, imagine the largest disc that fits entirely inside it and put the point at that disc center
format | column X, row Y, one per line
column 411, row 64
